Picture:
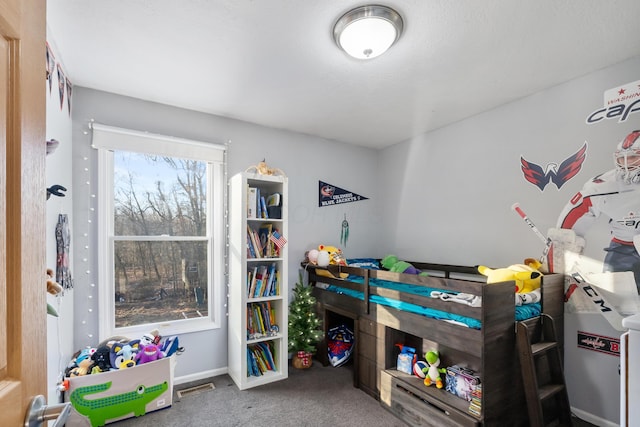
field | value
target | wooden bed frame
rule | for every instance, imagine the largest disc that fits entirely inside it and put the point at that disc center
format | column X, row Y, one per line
column 490, row 351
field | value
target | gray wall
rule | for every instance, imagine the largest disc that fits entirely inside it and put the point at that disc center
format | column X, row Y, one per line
column 304, row 159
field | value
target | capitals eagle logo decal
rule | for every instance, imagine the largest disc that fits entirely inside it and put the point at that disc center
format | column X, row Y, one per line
column 559, row 175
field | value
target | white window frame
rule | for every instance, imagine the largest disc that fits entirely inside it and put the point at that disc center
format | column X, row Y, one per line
column 106, row 139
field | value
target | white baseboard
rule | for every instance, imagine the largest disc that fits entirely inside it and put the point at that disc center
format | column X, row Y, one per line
column 590, row 418
column 199, row 376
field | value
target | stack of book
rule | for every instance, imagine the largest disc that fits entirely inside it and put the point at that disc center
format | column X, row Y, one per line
column 475, row 406
column 260, row 359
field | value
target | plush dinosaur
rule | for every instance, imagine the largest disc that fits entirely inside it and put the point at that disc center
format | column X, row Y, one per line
column 432, row 373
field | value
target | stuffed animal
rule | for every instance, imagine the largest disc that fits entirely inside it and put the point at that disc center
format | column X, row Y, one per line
column 122, row 355
column 432, row 373
column 329, row 255
column 52, row 286
column 263, row 169
column 526, row 276
column 335, row 254
column 84, row 354
column 83, row 368
column 152, row 337
column 78, row 357
column 393, row 264
column 101, row 359
column 311, row 256
column 54, row 289
column 148, row 353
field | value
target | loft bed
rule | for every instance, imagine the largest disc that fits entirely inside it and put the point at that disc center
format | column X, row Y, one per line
column 388, row 308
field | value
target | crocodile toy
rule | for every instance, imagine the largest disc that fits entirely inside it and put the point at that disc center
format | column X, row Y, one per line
column 110, row 407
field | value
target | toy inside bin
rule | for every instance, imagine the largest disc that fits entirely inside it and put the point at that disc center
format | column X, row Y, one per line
column 103, row 398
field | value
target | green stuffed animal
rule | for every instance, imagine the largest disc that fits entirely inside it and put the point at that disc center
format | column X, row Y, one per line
column 432, row 373
column 393, row 264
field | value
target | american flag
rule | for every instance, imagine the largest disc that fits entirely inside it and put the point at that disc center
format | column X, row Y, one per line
column 278, row 239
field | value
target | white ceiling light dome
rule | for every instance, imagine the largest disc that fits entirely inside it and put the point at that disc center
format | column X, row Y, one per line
column 368, row 31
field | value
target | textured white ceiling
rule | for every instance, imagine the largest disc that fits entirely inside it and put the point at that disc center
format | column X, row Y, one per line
column 274, row 62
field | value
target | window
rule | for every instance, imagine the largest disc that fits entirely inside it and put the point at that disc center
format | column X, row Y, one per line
column 161, row 232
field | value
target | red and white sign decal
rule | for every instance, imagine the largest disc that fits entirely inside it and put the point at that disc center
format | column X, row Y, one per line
column 599, row 343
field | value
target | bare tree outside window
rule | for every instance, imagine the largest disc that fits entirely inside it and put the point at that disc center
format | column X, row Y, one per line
column 160, row 239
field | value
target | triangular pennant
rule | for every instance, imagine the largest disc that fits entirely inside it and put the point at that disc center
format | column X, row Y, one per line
column 329, row 195
column 51, row 64
column 61, row 84
column 69, row 90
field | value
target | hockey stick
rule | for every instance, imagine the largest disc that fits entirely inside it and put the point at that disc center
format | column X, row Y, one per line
column 605, row 308
column 547, row 241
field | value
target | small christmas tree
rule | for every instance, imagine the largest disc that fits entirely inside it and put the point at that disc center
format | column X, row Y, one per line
column 304, row 326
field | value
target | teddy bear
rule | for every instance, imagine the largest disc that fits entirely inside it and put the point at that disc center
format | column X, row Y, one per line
column 393, row 264
column 432, row 372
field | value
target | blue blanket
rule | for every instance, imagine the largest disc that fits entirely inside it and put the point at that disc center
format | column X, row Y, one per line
column 522, row 312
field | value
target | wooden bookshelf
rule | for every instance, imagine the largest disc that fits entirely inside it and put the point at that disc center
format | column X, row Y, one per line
column 258, row 283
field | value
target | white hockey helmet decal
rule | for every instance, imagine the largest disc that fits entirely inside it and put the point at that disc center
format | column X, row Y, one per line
column 627, row 158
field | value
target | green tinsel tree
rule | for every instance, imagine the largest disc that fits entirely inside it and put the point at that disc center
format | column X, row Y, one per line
column 304, row 325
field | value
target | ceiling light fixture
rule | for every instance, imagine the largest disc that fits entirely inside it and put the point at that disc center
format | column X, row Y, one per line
column 368, row 31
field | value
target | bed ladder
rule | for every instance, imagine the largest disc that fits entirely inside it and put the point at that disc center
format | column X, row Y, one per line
column 542, row 373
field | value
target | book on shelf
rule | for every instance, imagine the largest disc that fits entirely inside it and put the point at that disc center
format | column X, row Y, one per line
column 255, row 242
column 252, row 365
column 251, row 281
column 263, row 281
column 267, row 354
column 260, row 359
column 271, row 278
column 261, row 320
column 252, row 202
column 250, row 249
column 260, row 281
column 263, row 208
column 267, row 246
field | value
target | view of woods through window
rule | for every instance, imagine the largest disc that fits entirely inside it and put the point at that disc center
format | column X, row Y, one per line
column 160, row 239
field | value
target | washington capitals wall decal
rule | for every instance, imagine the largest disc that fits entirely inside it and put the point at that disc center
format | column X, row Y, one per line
column 559, row 175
